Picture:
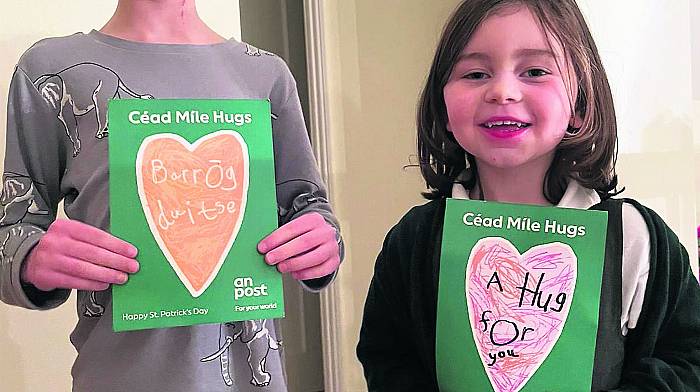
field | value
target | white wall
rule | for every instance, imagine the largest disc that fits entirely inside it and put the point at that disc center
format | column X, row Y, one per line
column 646, row 50
column 35, row 354
column 695, row 49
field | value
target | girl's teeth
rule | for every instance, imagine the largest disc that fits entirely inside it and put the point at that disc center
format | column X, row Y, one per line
column 499, row 123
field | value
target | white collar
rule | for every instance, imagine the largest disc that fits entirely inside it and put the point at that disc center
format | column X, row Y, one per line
column 576, row 196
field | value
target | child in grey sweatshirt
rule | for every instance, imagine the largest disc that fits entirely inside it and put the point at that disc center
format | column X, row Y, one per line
column 57, row 150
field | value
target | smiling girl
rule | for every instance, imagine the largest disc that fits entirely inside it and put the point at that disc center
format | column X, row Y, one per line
column 517, row 108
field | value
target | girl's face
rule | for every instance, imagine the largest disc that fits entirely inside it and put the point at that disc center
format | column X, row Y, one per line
column 507, row 103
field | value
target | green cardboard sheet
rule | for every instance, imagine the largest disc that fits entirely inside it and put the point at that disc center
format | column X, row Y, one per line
column 192, row 187
column 519, row 294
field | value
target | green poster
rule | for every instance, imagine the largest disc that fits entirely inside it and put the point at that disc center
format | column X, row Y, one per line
column 518, row 300
column 192, row 186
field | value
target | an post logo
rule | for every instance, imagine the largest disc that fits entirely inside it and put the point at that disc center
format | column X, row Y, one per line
column 245, row 288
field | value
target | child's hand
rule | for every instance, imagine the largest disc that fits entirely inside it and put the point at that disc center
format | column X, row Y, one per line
column 306, row 247
column 74, row 255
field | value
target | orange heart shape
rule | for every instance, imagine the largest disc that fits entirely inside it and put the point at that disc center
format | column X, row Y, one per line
column 194, row 198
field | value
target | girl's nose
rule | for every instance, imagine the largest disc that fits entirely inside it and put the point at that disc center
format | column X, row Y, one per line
column 503, row 90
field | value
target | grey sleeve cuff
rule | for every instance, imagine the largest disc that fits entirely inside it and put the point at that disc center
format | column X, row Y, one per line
column 318, row 284
column 23, row 294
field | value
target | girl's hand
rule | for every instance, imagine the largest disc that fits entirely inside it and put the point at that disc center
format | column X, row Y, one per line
column 306, row 247
column 75, row 255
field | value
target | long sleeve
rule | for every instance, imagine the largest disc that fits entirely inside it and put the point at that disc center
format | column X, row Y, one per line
column 397, row 338
column 663, row 352
column 31, row 189
column 300, row 189
column 386, row 349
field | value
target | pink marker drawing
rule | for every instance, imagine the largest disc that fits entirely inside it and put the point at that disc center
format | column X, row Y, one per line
column 518, row 305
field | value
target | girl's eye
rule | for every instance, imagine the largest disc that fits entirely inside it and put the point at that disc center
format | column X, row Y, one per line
column 476, row 75
column 536, row 72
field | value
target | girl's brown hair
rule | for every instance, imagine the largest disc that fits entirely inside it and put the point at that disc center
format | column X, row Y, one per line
column 587, row 154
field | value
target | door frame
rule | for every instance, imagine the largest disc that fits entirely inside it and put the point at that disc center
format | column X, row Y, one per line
column 319, row 132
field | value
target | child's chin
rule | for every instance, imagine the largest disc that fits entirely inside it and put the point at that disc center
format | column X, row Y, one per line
column 508, row 162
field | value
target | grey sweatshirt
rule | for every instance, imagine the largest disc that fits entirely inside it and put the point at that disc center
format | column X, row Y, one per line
column 57, row 150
